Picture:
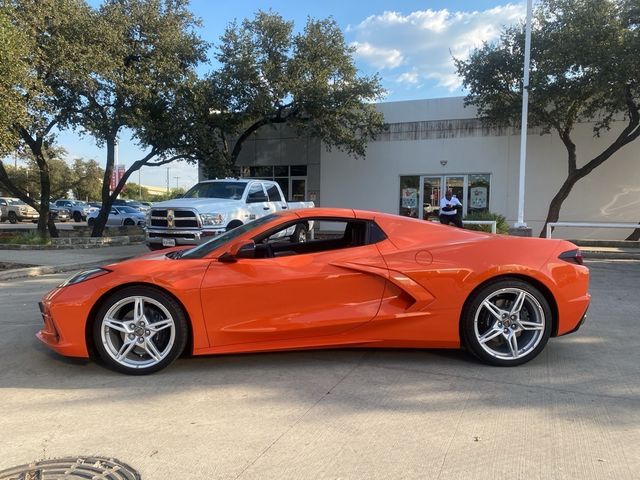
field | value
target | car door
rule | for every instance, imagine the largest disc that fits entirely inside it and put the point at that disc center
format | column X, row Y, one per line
column 115, row 218
column 257, row 201
column 292, row 297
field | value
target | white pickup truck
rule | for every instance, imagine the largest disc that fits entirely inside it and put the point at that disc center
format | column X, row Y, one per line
column 214, row 206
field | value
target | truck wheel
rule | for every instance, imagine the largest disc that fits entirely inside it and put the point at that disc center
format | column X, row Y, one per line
column 128, row 222
column 77, row 217
column 233, row 224
column 90, row 222
column 300, row 234
column 13, row 218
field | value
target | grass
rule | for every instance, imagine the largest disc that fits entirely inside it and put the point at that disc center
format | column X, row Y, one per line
column 26, row 238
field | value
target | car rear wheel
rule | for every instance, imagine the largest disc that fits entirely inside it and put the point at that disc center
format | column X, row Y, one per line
column 506, row 323
column 300, row 234
column 77, row 217
column 91, row 222
column 13, row 218
column 139, row 330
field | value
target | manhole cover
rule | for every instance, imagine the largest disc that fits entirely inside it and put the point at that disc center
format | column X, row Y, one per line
column 72, row 468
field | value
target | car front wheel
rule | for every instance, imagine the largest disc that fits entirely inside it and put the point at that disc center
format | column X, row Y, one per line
column 139, row 330
column 506, row 323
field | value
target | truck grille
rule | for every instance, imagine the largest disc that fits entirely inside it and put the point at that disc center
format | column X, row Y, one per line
column 174, row 218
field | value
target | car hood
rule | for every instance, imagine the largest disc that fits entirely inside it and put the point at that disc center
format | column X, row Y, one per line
column 208, row 205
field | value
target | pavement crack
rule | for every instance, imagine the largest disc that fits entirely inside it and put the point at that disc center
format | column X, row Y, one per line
column 304, row 414
column 455, row 432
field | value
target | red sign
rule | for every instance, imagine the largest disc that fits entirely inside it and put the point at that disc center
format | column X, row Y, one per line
column 116, row 175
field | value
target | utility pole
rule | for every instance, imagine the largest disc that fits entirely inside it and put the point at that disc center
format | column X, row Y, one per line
column 176, row 182
column 139, row 185
column 168, row 180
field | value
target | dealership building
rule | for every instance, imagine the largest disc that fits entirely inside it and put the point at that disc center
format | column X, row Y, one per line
column 433, row 145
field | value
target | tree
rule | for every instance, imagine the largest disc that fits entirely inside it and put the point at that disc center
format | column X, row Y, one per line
column 51, row 32
column 144, row 52
column 269, row 75
column 584, row 66
column 14, row 72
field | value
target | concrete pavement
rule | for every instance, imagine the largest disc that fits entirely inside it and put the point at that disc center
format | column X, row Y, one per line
column 572, row 413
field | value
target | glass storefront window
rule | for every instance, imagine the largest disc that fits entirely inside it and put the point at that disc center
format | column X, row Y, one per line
column 409, row 195
column 478, row 193
column 471, row 189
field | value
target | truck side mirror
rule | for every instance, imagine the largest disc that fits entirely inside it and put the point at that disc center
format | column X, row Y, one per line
column 242, row 249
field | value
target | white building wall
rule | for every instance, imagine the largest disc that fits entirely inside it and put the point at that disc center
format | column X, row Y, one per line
column 609, row 194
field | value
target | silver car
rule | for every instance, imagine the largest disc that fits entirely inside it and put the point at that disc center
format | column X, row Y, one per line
column 120, row 216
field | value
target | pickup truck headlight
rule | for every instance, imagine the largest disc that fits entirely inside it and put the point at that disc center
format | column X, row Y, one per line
column 211, row 219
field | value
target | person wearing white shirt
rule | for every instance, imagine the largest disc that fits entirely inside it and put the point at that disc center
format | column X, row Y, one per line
column 450, row 207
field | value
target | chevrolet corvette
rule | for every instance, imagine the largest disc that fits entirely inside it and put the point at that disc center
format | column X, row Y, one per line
column 365, row 279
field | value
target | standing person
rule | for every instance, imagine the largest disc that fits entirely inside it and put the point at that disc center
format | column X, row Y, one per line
column 450, row 210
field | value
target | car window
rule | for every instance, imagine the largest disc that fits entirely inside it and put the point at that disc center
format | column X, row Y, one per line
column 256, row 194
column 3, row 202
column 16, row 202
column 114, row 212
column 127, row 209
column 228, row 190
column 335, row 234
column 217, row 242
column 273, row 193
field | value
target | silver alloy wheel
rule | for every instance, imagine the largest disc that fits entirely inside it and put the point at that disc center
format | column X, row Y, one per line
column 138, row 332
column 509, row 323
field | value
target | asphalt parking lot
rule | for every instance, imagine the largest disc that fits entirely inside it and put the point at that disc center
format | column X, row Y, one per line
column 572, row 413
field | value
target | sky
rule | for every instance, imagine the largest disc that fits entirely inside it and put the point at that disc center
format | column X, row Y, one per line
column 410, row 44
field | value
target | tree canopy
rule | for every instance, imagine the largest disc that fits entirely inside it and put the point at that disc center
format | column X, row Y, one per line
column 584, row 66
column 271, row 75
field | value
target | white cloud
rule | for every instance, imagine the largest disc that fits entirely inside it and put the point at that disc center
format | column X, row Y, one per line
column 378, row 57
column 419, row 46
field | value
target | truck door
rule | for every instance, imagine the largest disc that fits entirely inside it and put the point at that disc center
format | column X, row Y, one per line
column 257, row 201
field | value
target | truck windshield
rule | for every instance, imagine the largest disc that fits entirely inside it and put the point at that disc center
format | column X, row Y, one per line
column 228, row 190
column 205, row 248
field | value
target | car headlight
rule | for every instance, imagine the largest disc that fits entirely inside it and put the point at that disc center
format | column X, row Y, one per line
column 212, row 219
column 83, row 276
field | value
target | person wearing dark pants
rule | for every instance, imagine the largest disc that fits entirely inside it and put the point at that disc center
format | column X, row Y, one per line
column 450, row 210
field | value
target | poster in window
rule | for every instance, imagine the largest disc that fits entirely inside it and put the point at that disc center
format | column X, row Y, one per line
column 409, row 197
column 478, row 198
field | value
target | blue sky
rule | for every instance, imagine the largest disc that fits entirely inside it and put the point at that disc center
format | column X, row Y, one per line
column 409, row 43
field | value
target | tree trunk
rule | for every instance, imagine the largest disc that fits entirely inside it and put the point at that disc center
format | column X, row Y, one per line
column 553, row 213
column 107, row 201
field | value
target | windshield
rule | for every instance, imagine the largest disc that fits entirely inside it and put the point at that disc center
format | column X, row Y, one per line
column 208, row 247
column 16, row 202
column 128, row 209
column 80, row 204
column 228, row 190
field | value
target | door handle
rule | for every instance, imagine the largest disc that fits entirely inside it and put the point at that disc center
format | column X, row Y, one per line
column 266, row 208
column 284, row 207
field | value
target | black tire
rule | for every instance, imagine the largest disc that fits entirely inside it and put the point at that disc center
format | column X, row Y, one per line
column 128, row 222
column 91, row 222
column 13, row 218
column 300, row 234
column 477, row 322
column 234, row 224
column 153, row 247
column 77, row 217
column 180, row 330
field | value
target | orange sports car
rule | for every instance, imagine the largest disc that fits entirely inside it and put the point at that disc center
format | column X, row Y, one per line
column 367, row 279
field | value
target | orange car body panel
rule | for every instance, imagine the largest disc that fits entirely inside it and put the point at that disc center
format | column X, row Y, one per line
column 405, row 291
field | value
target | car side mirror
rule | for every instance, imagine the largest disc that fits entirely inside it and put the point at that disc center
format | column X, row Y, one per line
column 239, row 250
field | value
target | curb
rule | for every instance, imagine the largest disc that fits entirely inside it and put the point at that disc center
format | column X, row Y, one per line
column 39, row 270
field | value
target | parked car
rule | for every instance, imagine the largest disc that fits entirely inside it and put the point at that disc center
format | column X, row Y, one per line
column 119, row 202
column 15, row 210
column 79, row 210
column 213, row 207
column 120, row 216
column 97, row 205
column 385, row 281
column 59, row 214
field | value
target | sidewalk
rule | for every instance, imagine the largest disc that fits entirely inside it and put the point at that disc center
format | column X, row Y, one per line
column 55, row 261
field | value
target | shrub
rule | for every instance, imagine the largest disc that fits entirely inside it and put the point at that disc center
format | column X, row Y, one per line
column 501, row 222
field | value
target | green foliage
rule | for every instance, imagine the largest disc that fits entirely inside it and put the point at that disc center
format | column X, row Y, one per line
column 501, row 222
column 584, row 64
column 14, row 73
column 270, row 75
column 25, row 238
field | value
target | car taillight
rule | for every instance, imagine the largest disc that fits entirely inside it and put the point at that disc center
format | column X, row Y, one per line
column 572, row 256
